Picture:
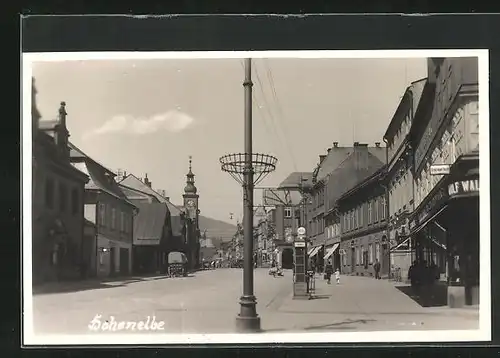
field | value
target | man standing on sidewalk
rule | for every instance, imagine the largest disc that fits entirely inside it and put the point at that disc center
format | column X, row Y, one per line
column 376, row 267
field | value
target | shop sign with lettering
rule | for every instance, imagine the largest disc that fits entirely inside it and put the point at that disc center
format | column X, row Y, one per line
column 465, row 186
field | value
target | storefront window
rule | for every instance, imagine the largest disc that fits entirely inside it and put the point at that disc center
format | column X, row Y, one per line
column 370, row 253
column 377, row 251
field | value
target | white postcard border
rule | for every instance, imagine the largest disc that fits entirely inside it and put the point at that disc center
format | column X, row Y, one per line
column 482, row 334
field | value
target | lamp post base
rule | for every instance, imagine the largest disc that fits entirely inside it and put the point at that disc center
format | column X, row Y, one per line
column 247, row 320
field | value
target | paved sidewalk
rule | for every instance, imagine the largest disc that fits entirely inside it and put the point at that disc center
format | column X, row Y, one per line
column 366, row 304
column 91, row 284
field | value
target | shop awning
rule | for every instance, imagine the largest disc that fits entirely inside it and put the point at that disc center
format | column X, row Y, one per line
column 443, row 246
column 426, row 221
column 315, row 251
column 404, row 242
column 330, row 251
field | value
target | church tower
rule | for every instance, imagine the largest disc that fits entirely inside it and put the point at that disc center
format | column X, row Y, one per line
column 190, row 195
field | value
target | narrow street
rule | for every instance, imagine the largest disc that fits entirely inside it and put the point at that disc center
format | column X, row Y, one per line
column 207, row 302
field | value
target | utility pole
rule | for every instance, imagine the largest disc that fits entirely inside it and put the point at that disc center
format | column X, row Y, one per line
column 248, row 320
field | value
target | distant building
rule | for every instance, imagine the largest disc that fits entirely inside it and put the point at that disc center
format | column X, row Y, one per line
column 363, row 216
column 109, row 252
column 285, row 217
column 57, row 202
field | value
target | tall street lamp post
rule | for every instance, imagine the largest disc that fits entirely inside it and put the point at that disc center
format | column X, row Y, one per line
column 248, row 169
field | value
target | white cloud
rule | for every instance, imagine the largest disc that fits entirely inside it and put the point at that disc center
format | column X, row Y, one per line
column 172, row 121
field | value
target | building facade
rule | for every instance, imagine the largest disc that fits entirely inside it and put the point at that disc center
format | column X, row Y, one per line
column 400, row 178
column 445, row 223
column 57, row 203
column 107, row 207
column 363, row 213
column 337, row 171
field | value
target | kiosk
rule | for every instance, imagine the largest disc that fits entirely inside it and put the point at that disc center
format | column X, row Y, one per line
column 300, row 265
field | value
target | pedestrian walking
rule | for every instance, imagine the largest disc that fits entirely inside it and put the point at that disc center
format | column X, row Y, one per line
column 337, row 275
column 376, row 267
column 329, row 272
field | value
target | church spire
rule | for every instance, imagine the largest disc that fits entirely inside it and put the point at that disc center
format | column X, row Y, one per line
column 190, row 187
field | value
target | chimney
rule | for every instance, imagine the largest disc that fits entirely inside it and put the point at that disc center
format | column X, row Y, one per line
column 321, row 158
column 335, row 144
column 356, row 144
column 328, row 150
column 377, row 144
column 146, row 181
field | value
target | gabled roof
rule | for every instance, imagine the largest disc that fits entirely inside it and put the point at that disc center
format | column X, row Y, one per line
column 369, row 179
column 150, row 221
column 295, row 179
column 413, row 91
column 214, row 228
column 101, row 178
column 133, row 182
column 136, row 190
column 137, row 195
column 339, row 155
column 353, row 170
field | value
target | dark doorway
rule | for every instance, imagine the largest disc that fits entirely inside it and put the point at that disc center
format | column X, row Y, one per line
column 112, row 262
column 287, row 258
column 124, row 261
column 353, row 259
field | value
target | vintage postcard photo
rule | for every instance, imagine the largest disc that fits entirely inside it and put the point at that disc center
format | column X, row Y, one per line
column 255, row 197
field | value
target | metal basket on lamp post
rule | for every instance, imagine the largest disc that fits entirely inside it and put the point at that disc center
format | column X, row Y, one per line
column 235, row 165
column 248, row 169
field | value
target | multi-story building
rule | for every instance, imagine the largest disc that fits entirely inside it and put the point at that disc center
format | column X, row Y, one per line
column 363, row 213
column 109, row 253
column 445, row 222
column 57, row 202
column 400, row 177
column 335, row 173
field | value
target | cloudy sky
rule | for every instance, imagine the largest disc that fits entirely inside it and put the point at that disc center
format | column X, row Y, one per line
column 149, row 116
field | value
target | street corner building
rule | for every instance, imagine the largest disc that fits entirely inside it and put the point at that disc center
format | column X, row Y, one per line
column 444, row 225
column 57, row 202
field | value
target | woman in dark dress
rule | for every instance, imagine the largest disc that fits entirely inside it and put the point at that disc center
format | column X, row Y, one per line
column 329, row 272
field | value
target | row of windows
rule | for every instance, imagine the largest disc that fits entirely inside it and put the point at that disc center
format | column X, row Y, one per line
column 124, row 223
column 354, row 219
column 362, row 255
column 400, row 193
column 333, row 230
column 400, row 135
column 319, row 198
column 65, row 199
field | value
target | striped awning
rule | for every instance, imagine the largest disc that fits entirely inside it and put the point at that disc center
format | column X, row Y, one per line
column 314, row 251
column 330, row 251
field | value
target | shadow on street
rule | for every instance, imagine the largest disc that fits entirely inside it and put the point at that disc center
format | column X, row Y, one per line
column 320, row 297
column 86, row 285
column 435, row 296
column 345, row 325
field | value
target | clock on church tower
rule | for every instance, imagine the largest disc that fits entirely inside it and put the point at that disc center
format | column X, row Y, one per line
column 190, row 195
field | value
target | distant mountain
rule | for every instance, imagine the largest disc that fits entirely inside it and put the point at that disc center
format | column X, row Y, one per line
column 216, row 229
